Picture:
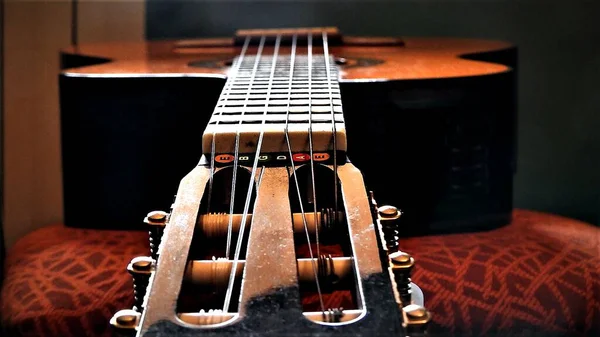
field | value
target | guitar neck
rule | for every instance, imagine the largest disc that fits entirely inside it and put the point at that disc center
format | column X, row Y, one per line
column 297, row 248
column 287, row 102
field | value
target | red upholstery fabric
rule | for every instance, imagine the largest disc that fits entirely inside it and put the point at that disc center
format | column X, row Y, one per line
column 537, row 276
column 68, row 282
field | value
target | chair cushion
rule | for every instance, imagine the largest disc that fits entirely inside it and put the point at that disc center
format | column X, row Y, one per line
column 538, row 275
column 65, row 282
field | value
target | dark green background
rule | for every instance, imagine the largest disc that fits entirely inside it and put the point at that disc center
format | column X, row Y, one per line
column 559, row 69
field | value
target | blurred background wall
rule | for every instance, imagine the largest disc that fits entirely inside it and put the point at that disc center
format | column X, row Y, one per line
column 559, row 117
column 34, row 31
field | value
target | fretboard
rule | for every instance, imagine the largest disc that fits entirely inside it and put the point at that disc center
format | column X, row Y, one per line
column 261, row 96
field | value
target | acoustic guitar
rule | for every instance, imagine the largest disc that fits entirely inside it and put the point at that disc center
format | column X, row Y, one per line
column 274, row 231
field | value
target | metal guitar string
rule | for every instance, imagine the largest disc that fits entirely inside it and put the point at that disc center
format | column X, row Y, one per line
column 212, row 172
column 227, row 88
column 254, row 167
column 310, row 141
column 334, row 129
column 237, row 149
column 287, row 138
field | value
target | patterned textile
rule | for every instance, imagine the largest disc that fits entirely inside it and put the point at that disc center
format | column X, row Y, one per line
column 68, row 282
column 538, row 276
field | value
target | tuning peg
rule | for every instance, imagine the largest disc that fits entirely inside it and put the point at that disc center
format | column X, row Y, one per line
column 402, row 265
column 389, row 218
column 157, row 220
column 141, row 269
column 125, row 322
column 416, row 320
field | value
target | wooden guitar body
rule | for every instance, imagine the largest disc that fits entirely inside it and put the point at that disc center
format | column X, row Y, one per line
column 428, row 125
column 431, row 124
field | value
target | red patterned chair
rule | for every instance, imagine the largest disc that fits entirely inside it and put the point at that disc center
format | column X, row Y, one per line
column 538, row 276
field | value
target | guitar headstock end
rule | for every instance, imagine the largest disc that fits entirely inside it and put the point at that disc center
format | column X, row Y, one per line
column 125, row 322
column 409, row 297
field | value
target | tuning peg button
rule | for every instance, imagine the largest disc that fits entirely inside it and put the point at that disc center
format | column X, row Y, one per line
column 125, row 322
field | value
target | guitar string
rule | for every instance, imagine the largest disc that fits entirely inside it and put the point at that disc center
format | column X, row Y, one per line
column 212, row 172
column 287, row 138
column 236, row 152
column 240, row 238
column 226, row 91
column 310, row 141
column 334, row 129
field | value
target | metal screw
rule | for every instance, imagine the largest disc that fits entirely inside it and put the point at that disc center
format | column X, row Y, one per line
column 389, row 218
column 125, row 319
column 388, row 211
column 142, row 265
column 417, row 319
column 157, row 221
column 141, row 269
column 416, row 312
column 400, row 258
column 157, row 216
column 402, row 264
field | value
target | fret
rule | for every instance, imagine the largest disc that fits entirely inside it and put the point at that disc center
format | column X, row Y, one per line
column 295, row 95
column 295, row 84
column 293, row 118
column 253, row 101
column 317, row 94
column 261, row 109
column 279, row 102
column 260, row 89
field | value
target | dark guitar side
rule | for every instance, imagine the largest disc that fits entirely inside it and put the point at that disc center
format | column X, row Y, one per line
column 440, row 148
